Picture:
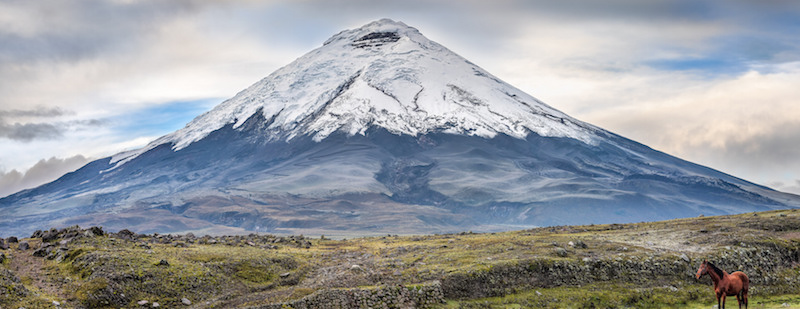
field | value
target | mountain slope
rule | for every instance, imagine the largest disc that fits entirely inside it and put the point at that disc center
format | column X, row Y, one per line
column 379, row 131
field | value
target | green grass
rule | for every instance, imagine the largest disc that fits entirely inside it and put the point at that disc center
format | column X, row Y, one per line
column 622, row 266
column 610, row 295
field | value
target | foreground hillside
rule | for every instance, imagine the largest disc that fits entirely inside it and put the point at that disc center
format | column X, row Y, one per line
column 618, row 265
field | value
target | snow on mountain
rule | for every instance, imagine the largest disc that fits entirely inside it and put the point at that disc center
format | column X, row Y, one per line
column 383, row 74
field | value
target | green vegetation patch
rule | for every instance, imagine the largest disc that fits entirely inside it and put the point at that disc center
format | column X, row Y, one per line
column 255, row 271
column 595, row 295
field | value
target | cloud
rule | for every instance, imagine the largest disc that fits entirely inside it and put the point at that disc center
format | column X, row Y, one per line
column 746, row 125
column 39, row 112
column 27, row 131
column 42, row 172
column 793, row 187
column 104, row 58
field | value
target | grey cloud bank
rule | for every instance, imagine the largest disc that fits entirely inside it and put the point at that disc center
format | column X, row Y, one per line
column 42, row 172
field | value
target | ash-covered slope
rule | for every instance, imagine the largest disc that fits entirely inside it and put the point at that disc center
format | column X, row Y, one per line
column 380, row 131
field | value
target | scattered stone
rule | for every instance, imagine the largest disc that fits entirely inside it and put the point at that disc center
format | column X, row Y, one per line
column 142, row 302
column 673, row 288
column 12, row 240
column 156, row 305
column 561, row 252
column 55, row 303
column 23, row 246
column 3, row 244
column 579, row 244
column 96, row 230
column 41, row 252
column 2, row 257
column 186, row 301
column 162, row 263
column 50, row 235
column 125, row 234
column 685, row 258
column 538, row 293
column 284, row 275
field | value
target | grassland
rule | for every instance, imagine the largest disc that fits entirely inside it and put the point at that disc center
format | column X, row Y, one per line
column 643, row 265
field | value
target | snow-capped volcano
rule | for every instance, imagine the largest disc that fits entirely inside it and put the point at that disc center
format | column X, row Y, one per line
column 381, row 130
column 384, row 74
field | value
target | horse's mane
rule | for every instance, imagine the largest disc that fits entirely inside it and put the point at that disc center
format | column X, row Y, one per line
column 716, row 269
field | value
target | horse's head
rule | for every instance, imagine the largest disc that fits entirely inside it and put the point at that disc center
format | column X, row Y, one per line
column 703, row 269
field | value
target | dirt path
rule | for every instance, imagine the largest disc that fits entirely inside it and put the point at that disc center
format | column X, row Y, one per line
column 35, row 276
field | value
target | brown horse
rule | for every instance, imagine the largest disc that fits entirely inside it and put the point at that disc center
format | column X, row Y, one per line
column 726, row 284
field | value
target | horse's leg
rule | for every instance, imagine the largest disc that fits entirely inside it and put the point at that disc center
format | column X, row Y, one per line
column 723, row 301
column 739, row 299
column 744, row 295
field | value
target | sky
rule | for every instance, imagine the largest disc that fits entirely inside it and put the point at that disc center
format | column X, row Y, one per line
column 712, row 82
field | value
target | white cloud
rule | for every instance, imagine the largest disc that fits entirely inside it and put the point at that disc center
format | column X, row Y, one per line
column 42, row 172
column 790, row 187
column 745, row 125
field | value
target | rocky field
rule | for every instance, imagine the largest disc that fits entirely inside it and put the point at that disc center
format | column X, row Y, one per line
column 648, row 265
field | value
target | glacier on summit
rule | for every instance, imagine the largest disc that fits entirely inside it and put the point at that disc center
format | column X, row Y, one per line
column 378, row 131
column 384, row 74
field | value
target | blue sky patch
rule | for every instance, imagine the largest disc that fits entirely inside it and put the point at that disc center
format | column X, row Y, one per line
column 704, row 66
column 160, row 119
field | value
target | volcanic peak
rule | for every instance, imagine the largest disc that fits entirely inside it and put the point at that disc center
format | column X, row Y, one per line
column 384, row 74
